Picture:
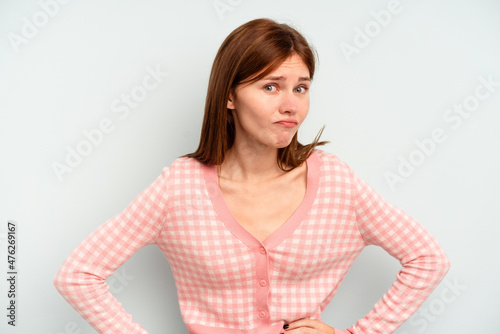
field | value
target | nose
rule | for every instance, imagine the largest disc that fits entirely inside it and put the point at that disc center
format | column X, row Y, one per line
column 289, row 103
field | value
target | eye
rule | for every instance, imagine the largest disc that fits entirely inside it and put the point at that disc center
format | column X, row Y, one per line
column 301, row 89
column 270, row 88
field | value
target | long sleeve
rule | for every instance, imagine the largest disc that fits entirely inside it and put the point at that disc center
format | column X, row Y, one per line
column 424, row 263
column 81, row 279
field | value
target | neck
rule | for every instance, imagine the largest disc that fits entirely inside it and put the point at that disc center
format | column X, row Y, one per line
column 250, row 164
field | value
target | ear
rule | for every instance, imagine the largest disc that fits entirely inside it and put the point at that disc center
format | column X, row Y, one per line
column 230, row 101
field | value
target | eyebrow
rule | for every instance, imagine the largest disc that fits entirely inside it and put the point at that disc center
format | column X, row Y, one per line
column 278, row 78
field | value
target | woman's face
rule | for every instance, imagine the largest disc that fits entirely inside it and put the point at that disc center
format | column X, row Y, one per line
column 269, row 112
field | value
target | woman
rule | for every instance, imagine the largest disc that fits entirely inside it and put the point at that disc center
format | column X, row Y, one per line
column 259, row 229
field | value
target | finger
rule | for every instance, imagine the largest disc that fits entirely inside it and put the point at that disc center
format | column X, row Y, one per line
column 307, row 323
column 300, row 330
column 306, row 326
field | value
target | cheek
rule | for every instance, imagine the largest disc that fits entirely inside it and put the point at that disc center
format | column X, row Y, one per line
column 253, row 122
column 253, row 117
column 304, row 109
column 256, row 114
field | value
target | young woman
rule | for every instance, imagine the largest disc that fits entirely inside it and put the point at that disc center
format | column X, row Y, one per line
column 259, row 229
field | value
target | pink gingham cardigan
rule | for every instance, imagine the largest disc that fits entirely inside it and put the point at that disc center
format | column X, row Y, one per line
column 228, row 282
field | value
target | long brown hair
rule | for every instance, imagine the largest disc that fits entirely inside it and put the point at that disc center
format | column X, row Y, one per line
column 248, row 54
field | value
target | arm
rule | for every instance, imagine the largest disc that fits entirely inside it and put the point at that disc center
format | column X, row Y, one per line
column 422, row 258
column 81, row 279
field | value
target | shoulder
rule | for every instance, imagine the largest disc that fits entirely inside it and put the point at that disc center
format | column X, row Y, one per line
column 334, row 173
column 185, row 162
column 184, row 174
column 184, row 169
column 330, row 162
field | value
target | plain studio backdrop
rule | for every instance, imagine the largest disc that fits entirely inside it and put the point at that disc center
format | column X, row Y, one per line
column 97, row 96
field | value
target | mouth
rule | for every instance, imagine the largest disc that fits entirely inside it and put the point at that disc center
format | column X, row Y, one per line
column 287, row 123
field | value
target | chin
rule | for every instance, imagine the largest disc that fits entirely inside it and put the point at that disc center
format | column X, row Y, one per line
column 284, row 140
column 283, row 145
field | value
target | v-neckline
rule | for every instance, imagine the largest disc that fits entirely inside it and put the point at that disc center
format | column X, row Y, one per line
column 286, row 229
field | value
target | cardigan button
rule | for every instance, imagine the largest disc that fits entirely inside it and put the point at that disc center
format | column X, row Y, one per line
column 262, row 314
column 262, row 250
column 262, row 282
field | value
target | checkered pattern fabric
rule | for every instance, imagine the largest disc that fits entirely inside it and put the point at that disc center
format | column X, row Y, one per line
column 228, row 282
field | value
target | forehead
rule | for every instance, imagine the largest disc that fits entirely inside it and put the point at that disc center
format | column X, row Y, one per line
column 292, row 64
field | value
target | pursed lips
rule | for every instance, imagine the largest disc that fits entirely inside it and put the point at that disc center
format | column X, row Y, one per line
column 289, row 123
